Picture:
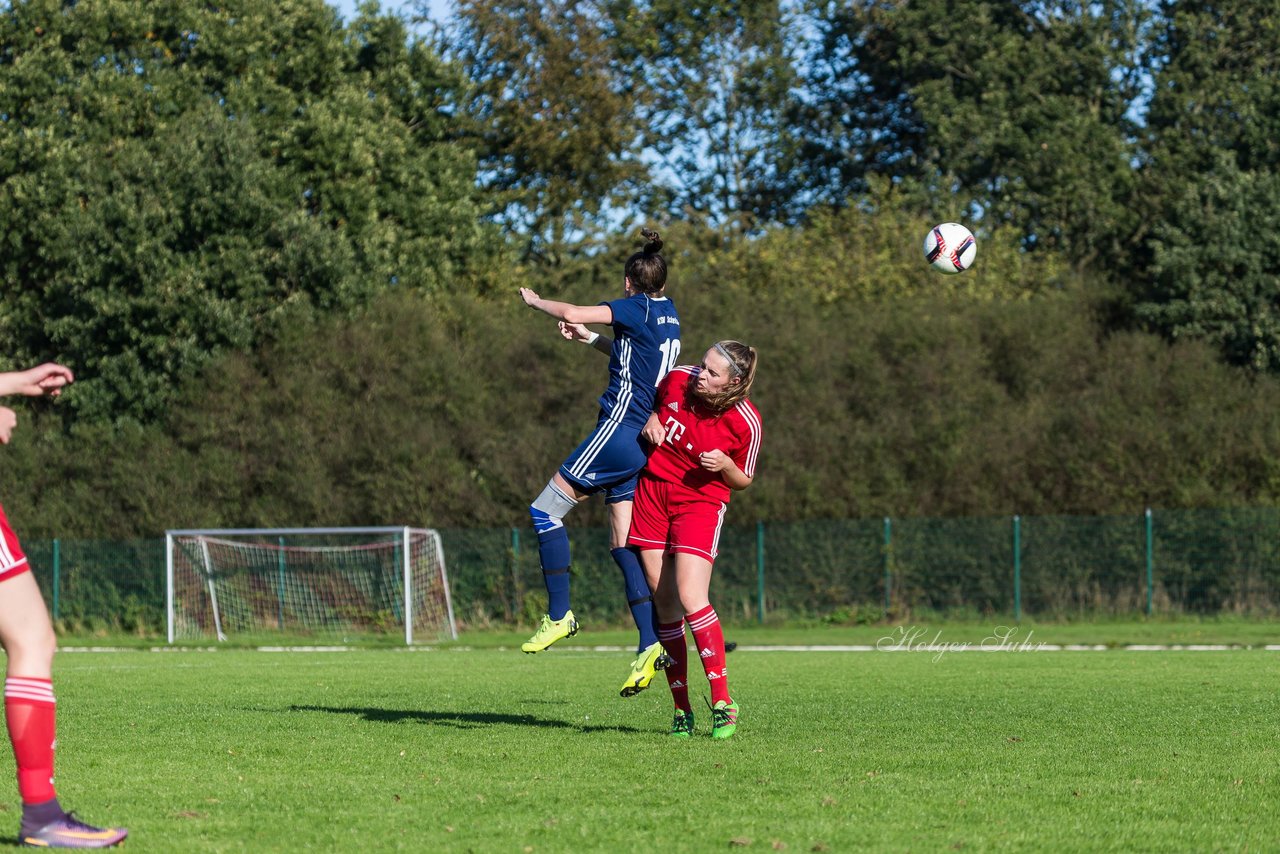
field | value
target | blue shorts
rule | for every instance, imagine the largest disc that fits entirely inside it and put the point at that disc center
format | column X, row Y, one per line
column 609, row 460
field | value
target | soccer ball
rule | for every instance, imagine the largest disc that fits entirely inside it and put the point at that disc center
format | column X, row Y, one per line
column 950, row 248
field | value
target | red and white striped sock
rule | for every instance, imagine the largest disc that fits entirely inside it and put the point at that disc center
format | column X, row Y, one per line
column 709, row 637
column 673, row 641
column 30, row 712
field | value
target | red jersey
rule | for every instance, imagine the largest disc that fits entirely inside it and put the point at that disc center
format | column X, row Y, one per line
column 691, row 429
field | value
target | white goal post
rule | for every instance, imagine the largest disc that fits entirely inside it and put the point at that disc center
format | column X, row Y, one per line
column 328, row 582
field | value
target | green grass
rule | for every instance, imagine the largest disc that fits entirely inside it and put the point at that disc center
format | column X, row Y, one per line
column 1239, row 631
column 1118, row 632
column 488, row 750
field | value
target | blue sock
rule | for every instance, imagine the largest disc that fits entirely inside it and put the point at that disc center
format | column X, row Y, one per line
column 639, row 599
column 553, row 552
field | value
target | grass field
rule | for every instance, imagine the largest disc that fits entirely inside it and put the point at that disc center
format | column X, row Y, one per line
column 488, row 750
column 1117, row 633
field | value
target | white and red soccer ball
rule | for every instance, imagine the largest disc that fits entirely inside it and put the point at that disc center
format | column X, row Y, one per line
column 950, row 248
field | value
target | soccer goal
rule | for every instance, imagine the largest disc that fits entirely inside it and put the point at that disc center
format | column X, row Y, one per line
column 310, row 582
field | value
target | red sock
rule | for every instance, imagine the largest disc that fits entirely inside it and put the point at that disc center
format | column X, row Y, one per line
column 29, row 712
column 673, row 641
column 709, row 637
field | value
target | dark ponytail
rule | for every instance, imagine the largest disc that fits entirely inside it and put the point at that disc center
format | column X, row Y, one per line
column 646, row 269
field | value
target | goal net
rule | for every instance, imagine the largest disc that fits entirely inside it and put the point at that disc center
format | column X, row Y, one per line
column 332, row 583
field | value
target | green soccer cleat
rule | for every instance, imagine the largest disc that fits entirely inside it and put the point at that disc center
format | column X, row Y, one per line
column 682, row 726
column 551, row 631
column 724, row 719
column 644, row 668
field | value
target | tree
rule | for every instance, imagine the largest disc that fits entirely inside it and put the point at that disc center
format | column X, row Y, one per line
column 718, row 81
column 553, row 124
column 1210, row 176
column 1019, row 113
column 175, row 178
column 591, row 110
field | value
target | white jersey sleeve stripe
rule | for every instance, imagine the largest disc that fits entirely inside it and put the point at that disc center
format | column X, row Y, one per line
column 752, row 419
column 6, row 556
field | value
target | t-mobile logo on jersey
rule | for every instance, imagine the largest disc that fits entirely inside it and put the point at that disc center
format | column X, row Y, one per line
column 675, row 430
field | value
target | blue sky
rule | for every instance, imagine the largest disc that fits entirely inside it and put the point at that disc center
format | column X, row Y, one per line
column 439, row 8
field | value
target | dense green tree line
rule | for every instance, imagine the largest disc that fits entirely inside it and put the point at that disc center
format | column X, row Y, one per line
column 280, row 250
column 1136, row 139
column 453, row 409
column 176, row 177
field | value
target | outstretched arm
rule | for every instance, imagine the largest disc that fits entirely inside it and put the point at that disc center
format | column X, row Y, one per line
column 579, row 332
column 567, row 311
column 48, row 378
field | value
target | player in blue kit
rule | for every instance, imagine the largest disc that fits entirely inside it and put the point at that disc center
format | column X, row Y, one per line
column 645, row 346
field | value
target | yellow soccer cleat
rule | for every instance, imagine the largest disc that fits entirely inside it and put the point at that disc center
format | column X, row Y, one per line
column 551, row 631
column 644, row 668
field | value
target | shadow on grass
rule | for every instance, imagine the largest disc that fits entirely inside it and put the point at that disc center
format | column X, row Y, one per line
column 461, row 720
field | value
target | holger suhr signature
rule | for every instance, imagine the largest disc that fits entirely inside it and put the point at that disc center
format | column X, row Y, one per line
column 916, row 639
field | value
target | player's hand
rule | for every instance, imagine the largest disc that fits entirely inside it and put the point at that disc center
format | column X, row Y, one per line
column 530, row 297
column 574, row 331
column 716, row 460
column 653, row 430
column 48, row 378
column 8, row 420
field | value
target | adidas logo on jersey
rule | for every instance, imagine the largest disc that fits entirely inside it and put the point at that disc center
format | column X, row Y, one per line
column 706, row 652
column 673, row 406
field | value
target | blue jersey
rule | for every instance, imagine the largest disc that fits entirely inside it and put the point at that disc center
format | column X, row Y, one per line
column 646, row 343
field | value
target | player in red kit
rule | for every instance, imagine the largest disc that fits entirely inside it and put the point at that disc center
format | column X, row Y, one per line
column 706, row 436
column 26, row 634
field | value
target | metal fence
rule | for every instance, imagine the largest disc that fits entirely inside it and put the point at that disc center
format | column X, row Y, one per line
column 1166, row 561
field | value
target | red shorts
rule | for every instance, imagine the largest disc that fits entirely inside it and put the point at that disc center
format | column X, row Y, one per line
column 12, row 560
column 674, row 518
